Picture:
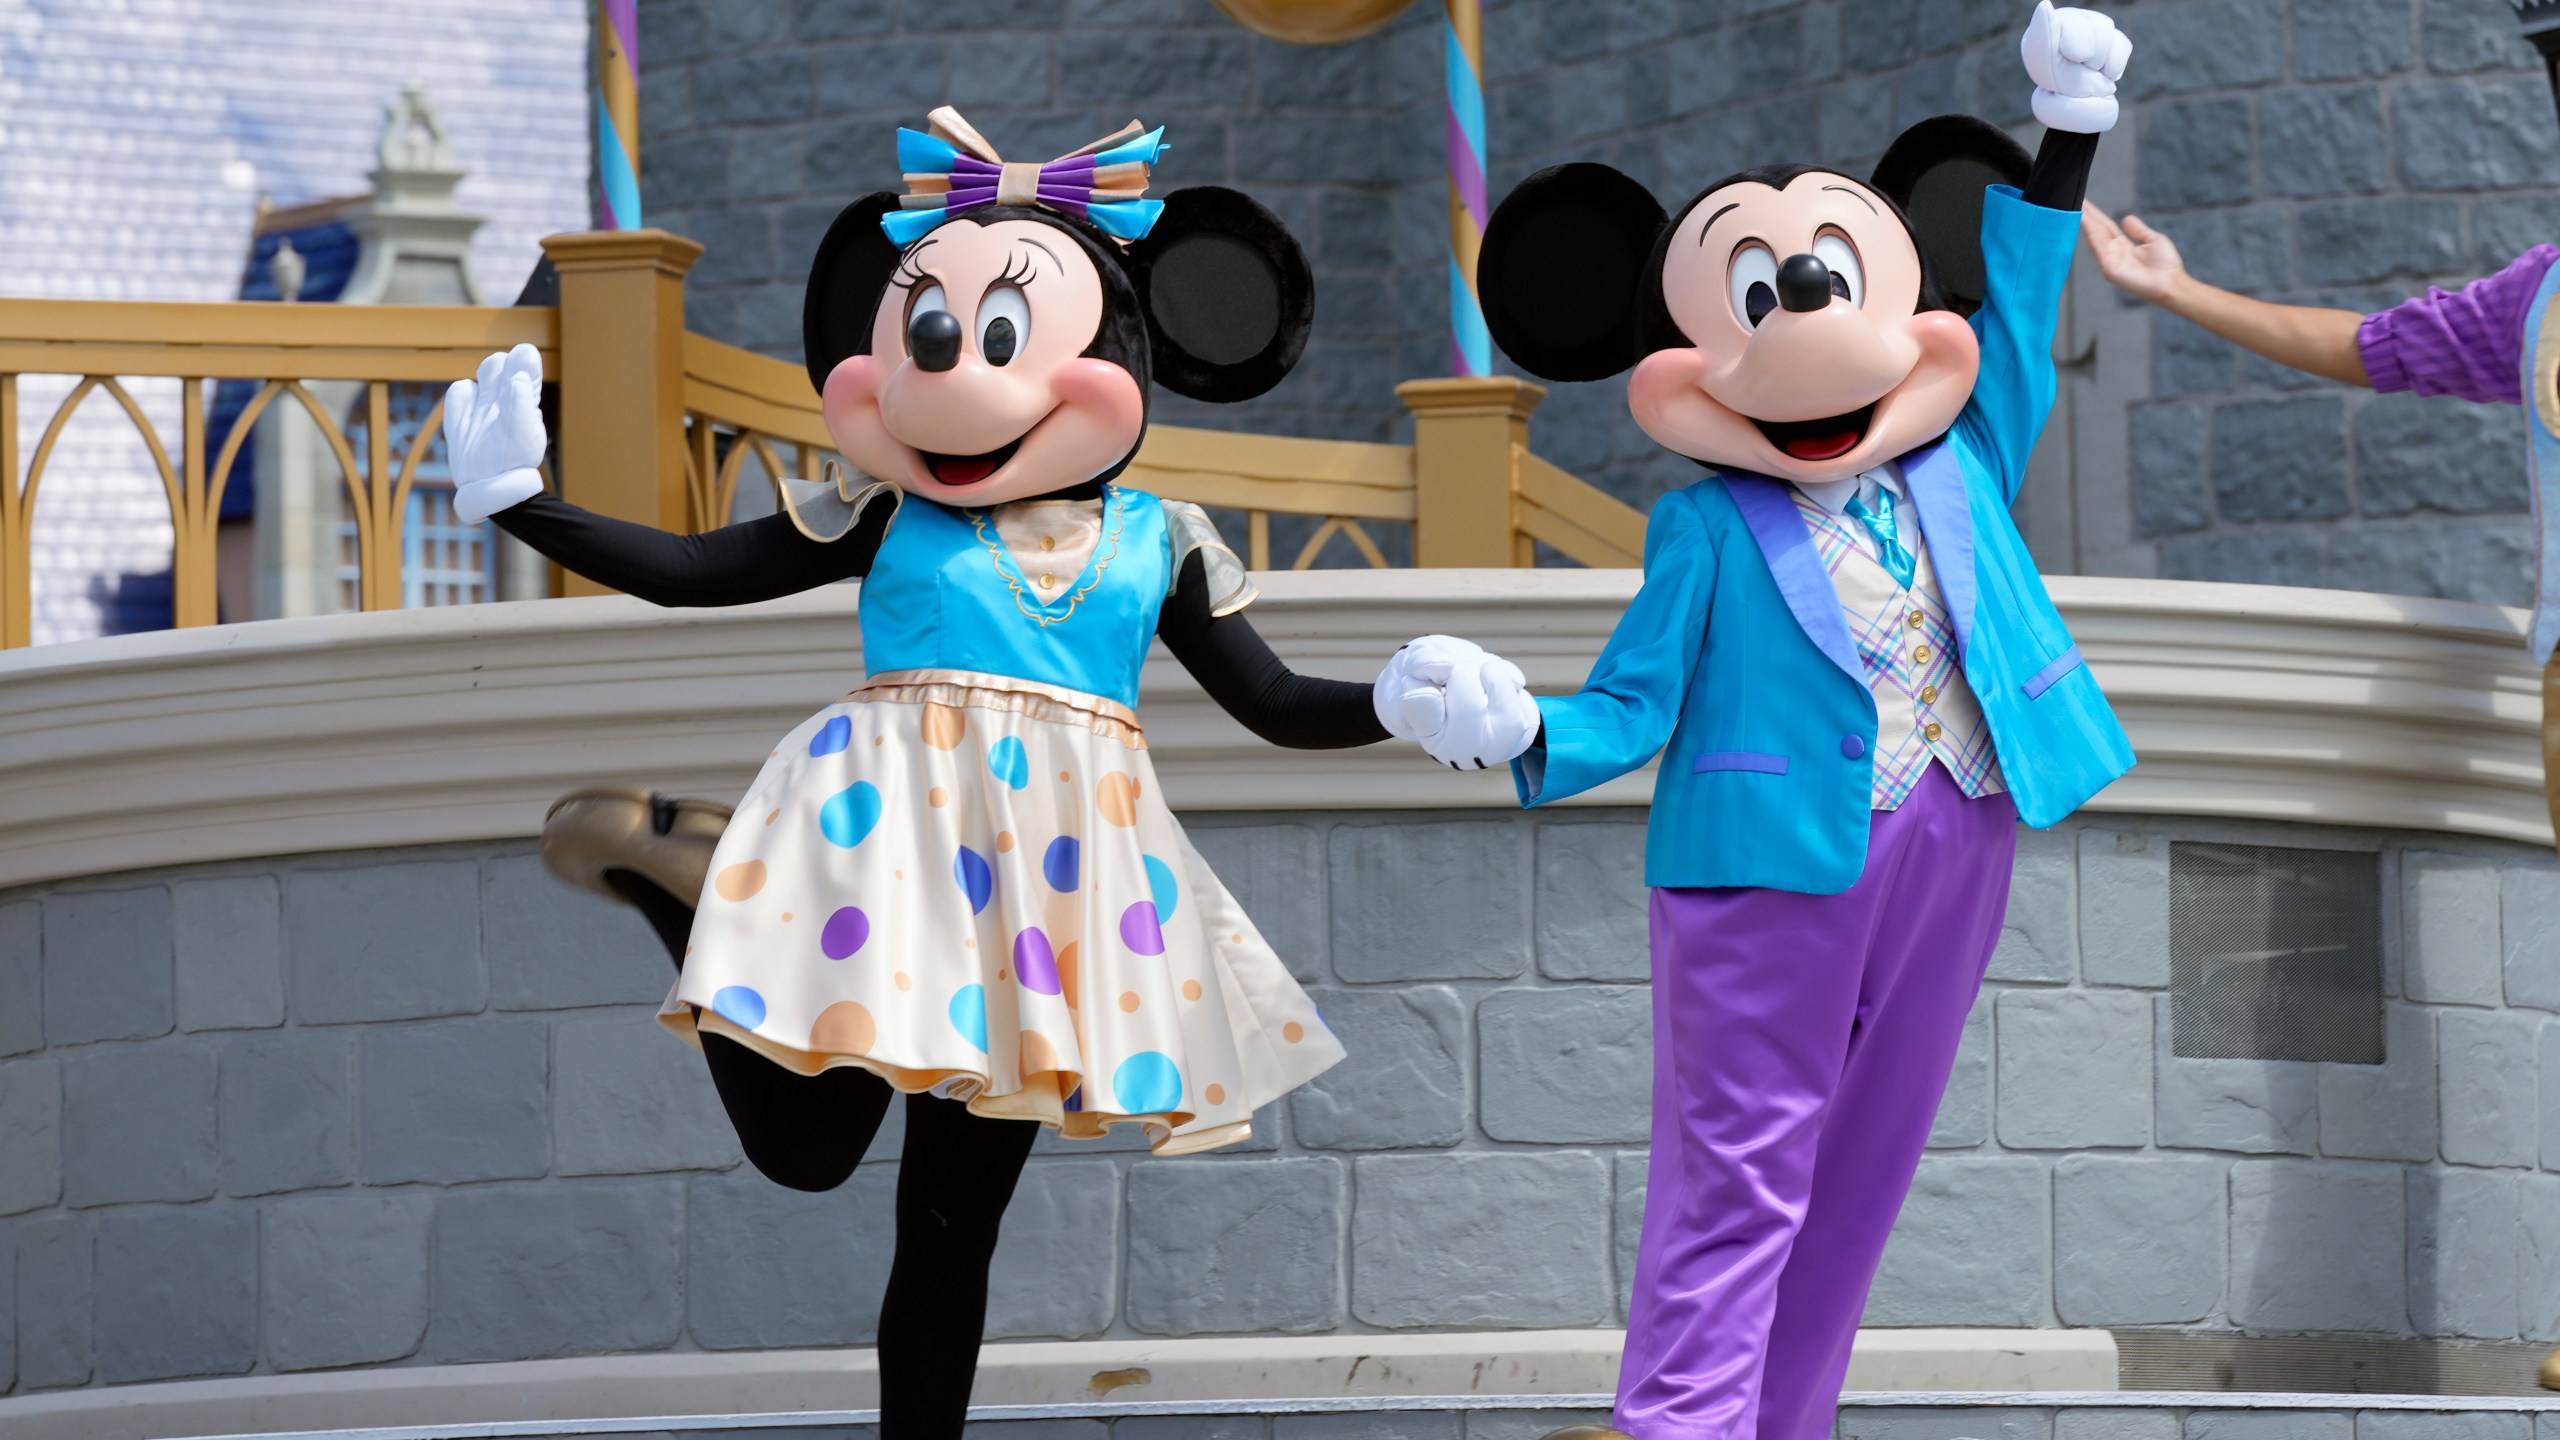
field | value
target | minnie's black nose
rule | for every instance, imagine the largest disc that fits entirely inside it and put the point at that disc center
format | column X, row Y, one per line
column 1804, row 284
column 933, row 337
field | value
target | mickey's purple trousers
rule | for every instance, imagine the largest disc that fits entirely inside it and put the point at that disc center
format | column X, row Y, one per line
column 1801, row 1044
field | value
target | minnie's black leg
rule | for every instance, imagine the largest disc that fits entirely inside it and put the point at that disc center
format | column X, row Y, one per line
column 957, row 1177
column 669, row 916
column 803, row 1131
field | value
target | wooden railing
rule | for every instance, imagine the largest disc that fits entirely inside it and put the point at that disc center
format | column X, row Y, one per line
column 658, row 425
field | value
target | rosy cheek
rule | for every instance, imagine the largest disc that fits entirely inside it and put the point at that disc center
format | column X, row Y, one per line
column 1664, row 376
column 852, row 395
column 1945, row 338
column 1104, row 394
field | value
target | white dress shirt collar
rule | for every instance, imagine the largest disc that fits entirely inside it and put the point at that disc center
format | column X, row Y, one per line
column 1834, row 495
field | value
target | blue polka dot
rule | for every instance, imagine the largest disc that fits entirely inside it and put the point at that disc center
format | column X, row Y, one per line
column 1075, row 1101
column 1160, row 880
column 739, row 1006
column 1009, row 762
column 831, row 737
column 1147, row 1083
column 847, row 818
column 977, row 878
column 1061, row 865
column 969, row 1014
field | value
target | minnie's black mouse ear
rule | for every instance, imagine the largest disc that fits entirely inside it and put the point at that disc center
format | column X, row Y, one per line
column 1936, row 171
column 1563, row 259
column 1228, row 295
column 853, row 267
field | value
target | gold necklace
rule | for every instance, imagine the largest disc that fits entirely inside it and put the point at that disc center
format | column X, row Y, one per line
column 1119, row 512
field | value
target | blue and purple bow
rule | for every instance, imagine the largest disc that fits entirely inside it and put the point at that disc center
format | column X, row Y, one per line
column 955, row 169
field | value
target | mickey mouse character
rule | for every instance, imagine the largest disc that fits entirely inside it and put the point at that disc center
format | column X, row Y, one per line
column 1861, row 681
column 961, row 881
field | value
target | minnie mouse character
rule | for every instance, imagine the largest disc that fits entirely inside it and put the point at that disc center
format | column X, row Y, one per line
column 960, row 881
column 1861, row 682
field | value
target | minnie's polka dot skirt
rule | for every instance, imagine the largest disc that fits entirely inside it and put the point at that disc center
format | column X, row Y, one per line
column 971, row 886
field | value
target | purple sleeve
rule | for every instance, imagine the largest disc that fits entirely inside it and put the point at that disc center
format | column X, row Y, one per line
column 2466, row 343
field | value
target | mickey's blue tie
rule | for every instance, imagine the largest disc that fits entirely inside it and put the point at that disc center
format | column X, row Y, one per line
column 1890, row 551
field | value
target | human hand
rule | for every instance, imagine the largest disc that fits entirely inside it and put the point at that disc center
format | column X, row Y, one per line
column 2135, row 258
column 493, row 434
column 2075, row 57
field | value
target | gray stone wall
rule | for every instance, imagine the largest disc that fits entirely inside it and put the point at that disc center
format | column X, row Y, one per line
column 2346, row 153
column 2330, row 151
column 406, row 1108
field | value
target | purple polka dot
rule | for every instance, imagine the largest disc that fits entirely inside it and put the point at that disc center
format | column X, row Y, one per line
column 1140, row 930
column 1036, row 963
column 845, row 933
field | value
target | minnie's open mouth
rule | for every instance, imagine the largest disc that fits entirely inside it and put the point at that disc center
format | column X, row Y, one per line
column 1827, row 439
column 968, row 469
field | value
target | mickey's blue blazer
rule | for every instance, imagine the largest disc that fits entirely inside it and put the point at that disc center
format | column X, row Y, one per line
column 1735, row 652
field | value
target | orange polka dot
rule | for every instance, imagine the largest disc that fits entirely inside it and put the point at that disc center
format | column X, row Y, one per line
column 786, row 914
column 945, row 726
column 1190, row 989
column 1116, row 798
column 937, row 797
column 1063, row 775
column 740, row 881
column 1038, row 1055
column 1067, row 973
column 898, row 874
column 1293, row 1032
column 879, row 739
column 1129, row 1002
column 1004, row 843
column 1238, row 938
column 970, row 944
column 1003, row 975
column 1217, row 1094
column 906, row 982
column 776, row 815
column 844, row 1028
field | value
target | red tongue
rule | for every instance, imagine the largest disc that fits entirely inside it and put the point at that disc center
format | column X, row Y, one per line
column 970, row 469
column 1822, row 447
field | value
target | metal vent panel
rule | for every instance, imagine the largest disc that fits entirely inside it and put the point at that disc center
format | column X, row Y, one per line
column 2275, row 953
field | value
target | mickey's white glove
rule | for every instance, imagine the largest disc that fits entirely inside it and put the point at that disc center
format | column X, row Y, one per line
column 2075, row 57
column 493, row 435
column 1470, row 710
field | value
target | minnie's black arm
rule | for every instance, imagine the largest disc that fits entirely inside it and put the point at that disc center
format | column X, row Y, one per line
column 1229, row 659
column 734, row 565
column 2060, row 177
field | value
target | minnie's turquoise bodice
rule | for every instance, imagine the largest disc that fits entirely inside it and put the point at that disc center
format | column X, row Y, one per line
column 944, row 594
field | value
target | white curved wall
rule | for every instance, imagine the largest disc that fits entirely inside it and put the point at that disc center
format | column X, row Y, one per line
column 353, row 731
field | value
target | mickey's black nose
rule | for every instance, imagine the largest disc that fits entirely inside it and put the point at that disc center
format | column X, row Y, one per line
column 933, row 337
column 1804, row 284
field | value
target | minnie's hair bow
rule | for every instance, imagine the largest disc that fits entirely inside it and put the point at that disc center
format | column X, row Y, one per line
column 955, row 169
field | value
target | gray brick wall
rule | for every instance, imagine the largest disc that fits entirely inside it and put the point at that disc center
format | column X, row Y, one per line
column 490, row 1151
column 2341, row 152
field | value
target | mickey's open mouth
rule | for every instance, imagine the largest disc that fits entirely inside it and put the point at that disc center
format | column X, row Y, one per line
column 968, row 469
column 1827, row 439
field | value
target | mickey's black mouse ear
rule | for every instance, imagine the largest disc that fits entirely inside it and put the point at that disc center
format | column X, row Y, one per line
column 1228, row 295
column 1563, row 259
column 1936, row 171
column 853, row 267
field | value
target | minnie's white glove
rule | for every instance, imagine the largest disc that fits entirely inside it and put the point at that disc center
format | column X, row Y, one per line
column 2075, row 57
column 1469, row 709
column 493, row 435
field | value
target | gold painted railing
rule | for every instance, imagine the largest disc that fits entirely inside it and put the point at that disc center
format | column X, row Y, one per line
column 657, row 425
